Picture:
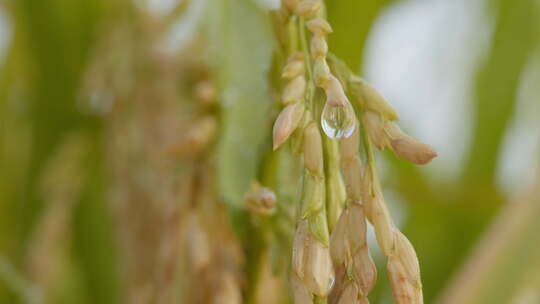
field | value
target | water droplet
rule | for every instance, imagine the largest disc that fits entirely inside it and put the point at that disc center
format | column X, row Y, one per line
column 338, row 121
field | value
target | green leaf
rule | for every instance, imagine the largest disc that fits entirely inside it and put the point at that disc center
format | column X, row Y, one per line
column 351, row 21
column 497, row 81
column 240, row 43
column 504, row 267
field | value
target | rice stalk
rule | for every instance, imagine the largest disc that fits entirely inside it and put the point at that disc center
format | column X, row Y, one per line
column 323, row 180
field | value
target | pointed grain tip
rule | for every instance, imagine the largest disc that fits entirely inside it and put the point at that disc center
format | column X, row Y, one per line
column 410, row 149
column 287, row 121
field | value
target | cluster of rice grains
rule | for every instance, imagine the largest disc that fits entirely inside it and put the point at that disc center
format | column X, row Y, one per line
column 330, row 258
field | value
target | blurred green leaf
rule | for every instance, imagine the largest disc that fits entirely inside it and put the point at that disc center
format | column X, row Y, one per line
column 351, row 22
column 55, row 49
column 94, row 244
column 241, row 43
column 516, row 34
column 506, row 261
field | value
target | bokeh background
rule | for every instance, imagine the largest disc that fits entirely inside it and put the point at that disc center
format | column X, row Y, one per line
column 93, row 91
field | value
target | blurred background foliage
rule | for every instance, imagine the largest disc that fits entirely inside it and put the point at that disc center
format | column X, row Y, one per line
column 465, row 75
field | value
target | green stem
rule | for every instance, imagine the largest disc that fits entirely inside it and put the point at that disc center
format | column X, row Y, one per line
column 310, row 90
column 334, row 197
column 305, row 48
column 292, row 29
